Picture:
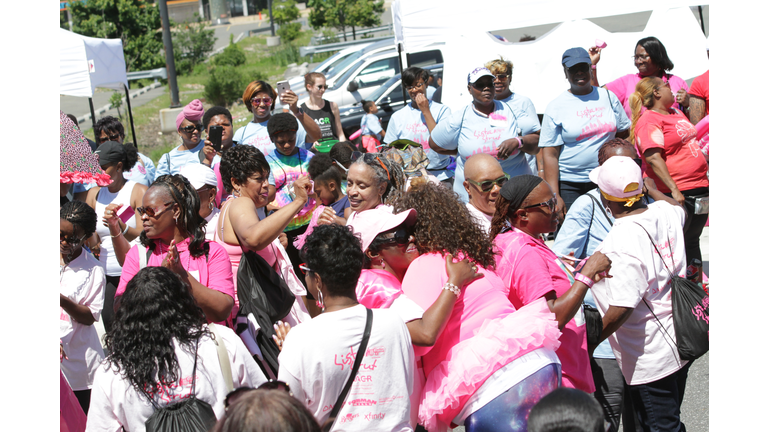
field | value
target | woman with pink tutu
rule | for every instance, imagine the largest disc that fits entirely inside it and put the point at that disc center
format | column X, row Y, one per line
column 491, row 363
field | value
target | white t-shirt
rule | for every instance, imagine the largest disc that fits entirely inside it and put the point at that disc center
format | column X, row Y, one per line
column 481, row 218
column 82, row 281
column 212, row 220
column 645, row 352
column 317, row 359
column 103, row 199
column 115, row 403
column 256, row 134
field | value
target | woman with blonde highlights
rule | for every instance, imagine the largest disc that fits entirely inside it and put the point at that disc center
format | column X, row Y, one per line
column 667, row 142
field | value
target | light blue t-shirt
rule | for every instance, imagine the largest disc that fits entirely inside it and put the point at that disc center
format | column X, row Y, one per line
column 370, row 125
column 409, row 123
column 256, row 134
column 430, row 92
column 471, row 133
column 527, row 120
column 581, row 124
column 171, row 162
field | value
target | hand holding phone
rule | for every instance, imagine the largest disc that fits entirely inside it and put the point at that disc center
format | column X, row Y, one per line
column 282, row 87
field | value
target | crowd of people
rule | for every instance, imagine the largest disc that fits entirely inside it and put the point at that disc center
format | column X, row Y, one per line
column 282, row 277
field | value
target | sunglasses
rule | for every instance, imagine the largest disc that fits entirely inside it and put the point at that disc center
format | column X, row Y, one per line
column 482, row 85
column 340, row 165
column 71, row 241
column 191, row 128
column 269, row 385
column 501, row 77
column 114, row 137
column 322, row 87
column 551, row 204
column 486, row 186
column 400, row 238
column 151, row 212
column 304, row 269
column 258, row 101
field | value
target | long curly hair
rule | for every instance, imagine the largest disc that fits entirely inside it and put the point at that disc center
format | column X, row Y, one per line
column 157, row 308
column 180, row 191
column 444, row 224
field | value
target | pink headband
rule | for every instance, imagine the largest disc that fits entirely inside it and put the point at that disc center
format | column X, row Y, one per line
column 192, row 112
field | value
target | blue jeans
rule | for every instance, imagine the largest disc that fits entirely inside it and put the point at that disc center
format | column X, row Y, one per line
column 509, row 411
column 658, row 403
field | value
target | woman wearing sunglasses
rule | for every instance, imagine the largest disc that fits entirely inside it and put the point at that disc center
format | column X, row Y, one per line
column 484, row 126
column 81, row 297
column 491, row 363
column 162, row 352
column 190, row 129
column 531, row 271
column 323, row 112
column 173, row 237
column 259, row 97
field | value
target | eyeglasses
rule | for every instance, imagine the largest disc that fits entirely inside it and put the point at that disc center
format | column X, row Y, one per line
column 486, row 186
column 400, row 238
column 415, row 86
column 70, row 240
column 192, row 128
column 235, row 394
column 151, row 212
column 501, row 77
column 322, row 87
column 551, row 204
column 641, row 57
column 257, row 101
column 304, row 269
column 114, row 137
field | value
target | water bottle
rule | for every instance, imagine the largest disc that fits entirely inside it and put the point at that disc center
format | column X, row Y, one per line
column 694, row 271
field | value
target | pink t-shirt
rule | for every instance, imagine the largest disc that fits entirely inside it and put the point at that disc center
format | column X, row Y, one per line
column 377, row 289
column 214, row 273
column 530, row 270
column 676, row 136
column 625, row 86
column 700, row 88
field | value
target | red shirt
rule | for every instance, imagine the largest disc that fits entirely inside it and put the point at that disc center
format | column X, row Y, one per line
column 676, row 137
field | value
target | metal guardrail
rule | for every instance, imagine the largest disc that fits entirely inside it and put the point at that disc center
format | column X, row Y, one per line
column 317, row 40
column 154, row 73
column 311, row 50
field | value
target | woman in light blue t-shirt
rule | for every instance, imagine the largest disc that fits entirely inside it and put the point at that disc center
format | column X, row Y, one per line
column 484, row 126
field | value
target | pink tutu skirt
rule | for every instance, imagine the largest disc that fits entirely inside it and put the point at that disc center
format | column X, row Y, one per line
column 470, row 362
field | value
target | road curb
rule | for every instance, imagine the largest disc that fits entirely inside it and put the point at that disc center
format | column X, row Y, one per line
column 108, row 107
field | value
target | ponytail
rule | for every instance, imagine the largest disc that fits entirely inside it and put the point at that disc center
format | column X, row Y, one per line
column 642, row 97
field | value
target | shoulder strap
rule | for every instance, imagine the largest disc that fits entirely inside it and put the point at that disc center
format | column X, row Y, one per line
column 513, row 113
column 598, row 205
column 591, row 218
column 168, row 161
column 358, row 360
column 206, row 249
column 659, row 252
column 221, row 350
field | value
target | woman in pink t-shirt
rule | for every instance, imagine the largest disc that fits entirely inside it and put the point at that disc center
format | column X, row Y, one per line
column 491, row 363
column 673, row 157
column 173, row 232
column 531, row 271
column 651, row 60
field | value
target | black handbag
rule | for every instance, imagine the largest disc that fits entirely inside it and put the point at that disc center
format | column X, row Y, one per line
column 188, row 415
column 260, row 287
column 690, row 313
column 594, row 323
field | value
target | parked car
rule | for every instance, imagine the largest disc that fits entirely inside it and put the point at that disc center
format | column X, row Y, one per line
column 389, row 99
column 297, row 82
column 369, row 73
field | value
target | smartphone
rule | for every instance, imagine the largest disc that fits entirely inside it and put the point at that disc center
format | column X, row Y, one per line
column 282, row 86
column 126, row 213
column 214, row 136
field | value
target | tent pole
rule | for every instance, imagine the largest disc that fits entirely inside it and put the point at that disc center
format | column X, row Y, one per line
column 400, row 60
column 93, row 118
column 701, row 19
column 130, row 116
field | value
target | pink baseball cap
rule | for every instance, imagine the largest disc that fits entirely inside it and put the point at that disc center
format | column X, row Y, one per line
column 370, row 223
column 619, row 179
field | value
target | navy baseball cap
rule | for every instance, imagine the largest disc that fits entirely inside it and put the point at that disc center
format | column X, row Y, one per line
column 574, row 56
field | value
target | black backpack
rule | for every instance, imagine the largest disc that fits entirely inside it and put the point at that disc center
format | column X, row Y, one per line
column 188, row 415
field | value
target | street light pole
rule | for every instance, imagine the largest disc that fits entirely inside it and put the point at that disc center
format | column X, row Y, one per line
column 271, row 21
column 170, row 64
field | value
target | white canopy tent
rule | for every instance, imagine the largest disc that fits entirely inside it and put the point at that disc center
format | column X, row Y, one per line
column 86, row 63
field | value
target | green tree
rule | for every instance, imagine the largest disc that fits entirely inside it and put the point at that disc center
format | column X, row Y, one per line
column 284, row 13
column 136, row 22
column 341, row 14
column 192, row 43
column 232, row 55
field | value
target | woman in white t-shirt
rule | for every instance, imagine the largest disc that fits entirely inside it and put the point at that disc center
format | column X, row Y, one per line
column 81, row 297
column 317, row 356
column 162, row 352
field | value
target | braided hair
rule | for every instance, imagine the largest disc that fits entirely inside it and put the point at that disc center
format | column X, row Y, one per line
column 182, row 193
column 80, row 214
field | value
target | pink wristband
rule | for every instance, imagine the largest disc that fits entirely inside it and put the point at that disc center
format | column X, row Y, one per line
column 585, row 280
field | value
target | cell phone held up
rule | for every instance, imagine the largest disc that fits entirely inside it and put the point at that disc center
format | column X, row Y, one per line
column 282, row 87
column 214, row 136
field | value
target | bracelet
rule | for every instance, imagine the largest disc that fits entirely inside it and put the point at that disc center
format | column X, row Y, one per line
column 594, row 67
column 452, row 288
column 583, row 279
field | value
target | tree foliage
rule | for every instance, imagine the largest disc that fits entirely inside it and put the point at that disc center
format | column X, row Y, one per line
column 284, row 12
column 225, row 85
column 341, row 14
column 135, row 22
column 232, row 55
column 192, row 43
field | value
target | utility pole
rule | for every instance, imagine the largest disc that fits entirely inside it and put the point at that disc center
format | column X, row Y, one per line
column 271, row 21
column 170, row 64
